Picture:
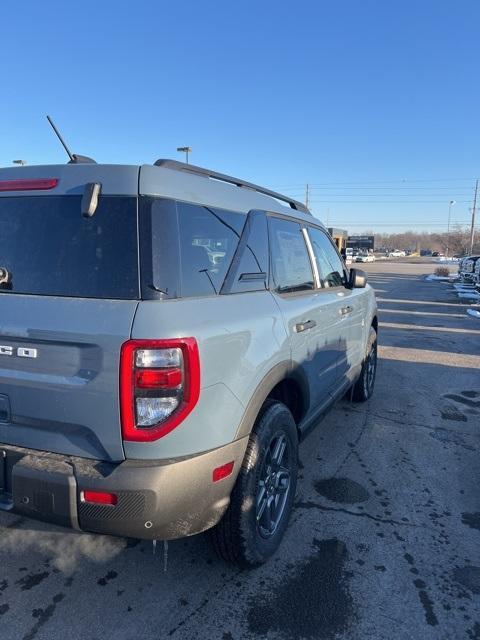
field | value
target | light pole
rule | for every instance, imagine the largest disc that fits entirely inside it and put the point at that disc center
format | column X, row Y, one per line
column 450, row 205
column 186, row 151
column 20, row 162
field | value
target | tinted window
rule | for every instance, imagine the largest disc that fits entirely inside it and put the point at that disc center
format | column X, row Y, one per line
column 159, row 248
column 186, row 249
column 291, row 266
column 329, row 264
column 250, row 269
column 49, row 248
column 208, row 239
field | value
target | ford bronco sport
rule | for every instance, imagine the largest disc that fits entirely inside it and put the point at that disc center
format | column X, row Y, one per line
column 167, row 335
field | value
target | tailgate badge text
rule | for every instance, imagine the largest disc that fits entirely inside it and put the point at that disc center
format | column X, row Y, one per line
column 20, row 352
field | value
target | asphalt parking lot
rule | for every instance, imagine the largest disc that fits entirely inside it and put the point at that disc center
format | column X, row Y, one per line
column 384, row 542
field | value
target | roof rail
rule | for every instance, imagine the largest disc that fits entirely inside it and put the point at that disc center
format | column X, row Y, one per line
column 191, row 168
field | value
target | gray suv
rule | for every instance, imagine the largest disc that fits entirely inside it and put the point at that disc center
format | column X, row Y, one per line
column 167, row 335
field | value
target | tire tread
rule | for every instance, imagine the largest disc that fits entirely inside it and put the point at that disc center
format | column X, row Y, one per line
column 227, row 538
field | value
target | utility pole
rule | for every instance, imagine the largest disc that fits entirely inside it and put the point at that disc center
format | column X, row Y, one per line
column 186, row 151
column 450, row 204
column 307, row 194
column 474, row 210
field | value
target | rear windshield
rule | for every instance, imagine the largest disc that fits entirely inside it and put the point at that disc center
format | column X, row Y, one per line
column 49, row 248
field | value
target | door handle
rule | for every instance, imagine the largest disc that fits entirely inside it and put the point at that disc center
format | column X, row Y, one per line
column 346, row 310
column 303, row 326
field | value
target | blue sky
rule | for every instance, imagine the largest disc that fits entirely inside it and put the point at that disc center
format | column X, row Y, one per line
column 371, row 102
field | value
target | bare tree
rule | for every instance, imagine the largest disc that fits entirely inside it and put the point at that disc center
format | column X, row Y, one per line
column 457, row 241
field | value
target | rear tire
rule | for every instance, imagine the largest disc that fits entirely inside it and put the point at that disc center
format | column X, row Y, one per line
column 262, row 499
column 363, row 388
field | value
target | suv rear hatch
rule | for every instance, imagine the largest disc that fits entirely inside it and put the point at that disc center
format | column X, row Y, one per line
column 67, row 305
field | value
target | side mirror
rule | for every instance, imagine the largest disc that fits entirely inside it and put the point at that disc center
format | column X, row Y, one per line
column 357, row 279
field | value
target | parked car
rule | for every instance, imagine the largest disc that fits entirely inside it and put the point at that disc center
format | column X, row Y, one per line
column 397, row 254
column 365, row 257
column 476, row 276
column 164, row 348
column 348, row 256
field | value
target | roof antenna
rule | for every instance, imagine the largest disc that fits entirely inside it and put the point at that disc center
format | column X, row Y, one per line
column 74, row 158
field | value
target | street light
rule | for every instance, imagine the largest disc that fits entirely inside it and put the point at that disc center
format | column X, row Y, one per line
column 185, row 150
column 450, row 205
column 20, row 162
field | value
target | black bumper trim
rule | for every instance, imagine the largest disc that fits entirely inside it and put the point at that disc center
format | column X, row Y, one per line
column 155, row 499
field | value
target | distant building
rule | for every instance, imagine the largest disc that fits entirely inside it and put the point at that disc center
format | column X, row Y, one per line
column 339, row 236
column 361, row 243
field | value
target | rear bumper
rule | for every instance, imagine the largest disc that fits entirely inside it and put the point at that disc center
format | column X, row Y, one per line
column 155, row 499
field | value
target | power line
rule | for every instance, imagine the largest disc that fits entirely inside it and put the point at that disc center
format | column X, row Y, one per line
column 371, row 188
column 354, row 182
column 395, row 224
column 315, row 201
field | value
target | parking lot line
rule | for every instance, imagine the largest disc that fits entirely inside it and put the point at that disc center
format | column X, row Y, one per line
column 399, row 325
column 425, row 356
column 423, row 313
column 421, row 302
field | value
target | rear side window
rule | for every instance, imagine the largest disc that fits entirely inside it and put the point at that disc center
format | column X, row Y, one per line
column 50, row 249
column 291, row 266
column 329, row 264
column 186, row 249
column 208, row 239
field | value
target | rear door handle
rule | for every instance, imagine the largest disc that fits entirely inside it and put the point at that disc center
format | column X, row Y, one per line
column 303, row 326
column 346, row 310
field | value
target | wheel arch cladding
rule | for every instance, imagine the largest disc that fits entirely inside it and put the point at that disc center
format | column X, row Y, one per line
column 283, row 384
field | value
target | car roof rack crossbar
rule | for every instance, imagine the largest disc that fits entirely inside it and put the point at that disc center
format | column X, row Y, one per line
column 191, row 168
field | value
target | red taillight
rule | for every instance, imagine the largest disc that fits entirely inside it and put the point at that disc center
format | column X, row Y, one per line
column 222, row 472
column 154, row 378
column 98, row 497
column 40, row 184
column 159, row 386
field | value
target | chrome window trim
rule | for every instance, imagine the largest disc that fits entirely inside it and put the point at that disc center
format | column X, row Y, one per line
column 313, row 261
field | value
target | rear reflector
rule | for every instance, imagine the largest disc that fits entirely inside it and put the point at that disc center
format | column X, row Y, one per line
column 222, row 472
column 98, row 497
column 40, row 184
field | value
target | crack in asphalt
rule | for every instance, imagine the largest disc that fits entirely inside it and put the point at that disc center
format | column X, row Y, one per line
column 366, row 413
column 203, row 604
column 309, row 504
column 406, row 423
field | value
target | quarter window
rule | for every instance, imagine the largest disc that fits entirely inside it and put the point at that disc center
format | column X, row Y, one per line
column 291, row 266
column 208, row 240
column 192, row 247
column 329, row 263
column 250, row 273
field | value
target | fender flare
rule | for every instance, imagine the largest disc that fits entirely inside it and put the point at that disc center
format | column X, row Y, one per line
column 279, row 372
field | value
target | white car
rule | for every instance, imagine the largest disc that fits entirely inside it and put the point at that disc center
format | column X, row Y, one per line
column 365, row 257
column 397, row 254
